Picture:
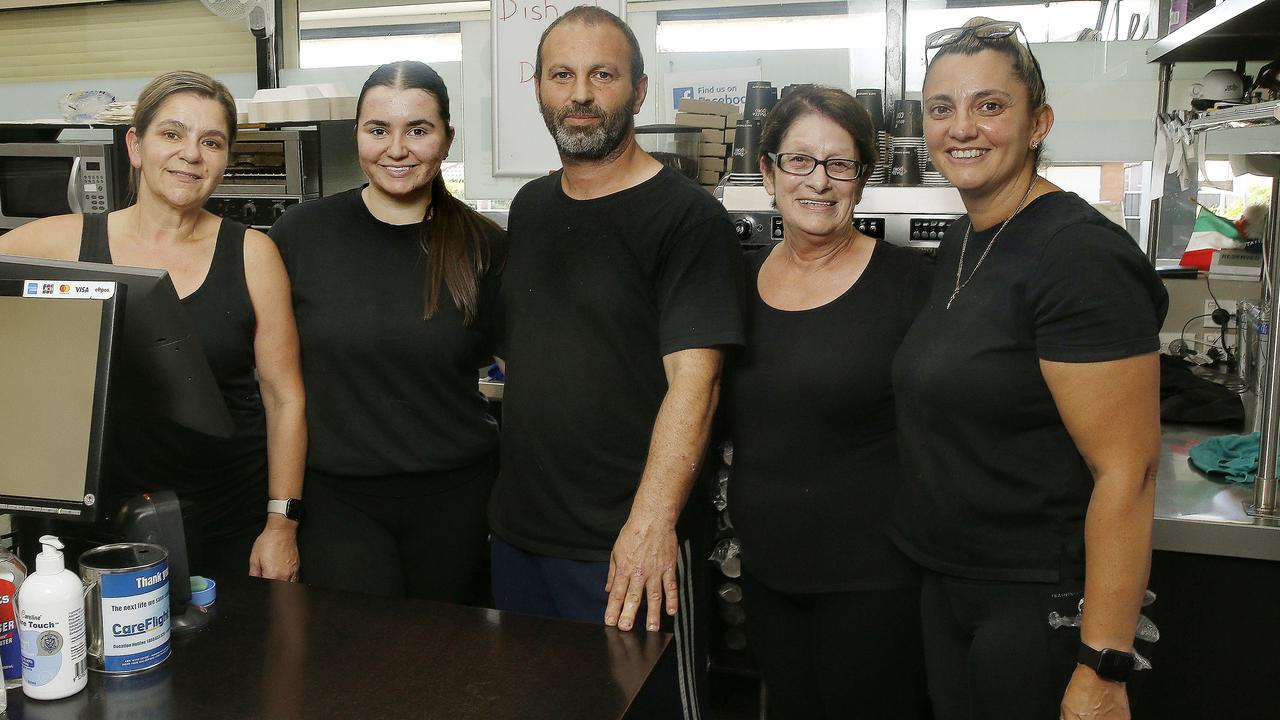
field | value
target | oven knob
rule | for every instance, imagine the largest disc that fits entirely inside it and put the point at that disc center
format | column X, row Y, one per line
column 248, row 211
column 277, row 210
column 743, row 228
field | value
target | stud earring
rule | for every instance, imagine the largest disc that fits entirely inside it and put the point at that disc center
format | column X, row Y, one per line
column 1035, row 144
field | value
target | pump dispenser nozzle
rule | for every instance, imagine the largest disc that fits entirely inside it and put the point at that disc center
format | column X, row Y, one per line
column 49, row 561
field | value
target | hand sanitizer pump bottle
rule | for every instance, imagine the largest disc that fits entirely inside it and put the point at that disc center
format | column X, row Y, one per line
column 51, row 627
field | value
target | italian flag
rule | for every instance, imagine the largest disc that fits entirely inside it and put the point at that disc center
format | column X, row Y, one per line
column 1210, row 234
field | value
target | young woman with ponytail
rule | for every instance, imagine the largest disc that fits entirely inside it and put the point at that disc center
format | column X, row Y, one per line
column 393, row 288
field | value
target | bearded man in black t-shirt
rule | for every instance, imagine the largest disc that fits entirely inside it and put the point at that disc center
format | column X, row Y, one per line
column 623, row 283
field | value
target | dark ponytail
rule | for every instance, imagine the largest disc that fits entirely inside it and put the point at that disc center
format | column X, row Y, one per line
column 456, row 239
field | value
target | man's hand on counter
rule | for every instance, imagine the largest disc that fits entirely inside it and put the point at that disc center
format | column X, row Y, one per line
column 275, row 552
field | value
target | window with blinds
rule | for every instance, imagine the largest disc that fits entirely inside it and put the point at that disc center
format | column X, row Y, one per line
column 119, row 40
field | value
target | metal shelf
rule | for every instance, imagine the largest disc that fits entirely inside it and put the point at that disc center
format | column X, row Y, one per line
column 1264, row 140
column 1234, row 30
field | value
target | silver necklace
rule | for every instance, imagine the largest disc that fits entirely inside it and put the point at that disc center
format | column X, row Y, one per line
column 964, row 244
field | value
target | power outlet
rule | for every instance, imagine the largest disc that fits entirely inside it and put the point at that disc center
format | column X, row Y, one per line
column 1228, row 305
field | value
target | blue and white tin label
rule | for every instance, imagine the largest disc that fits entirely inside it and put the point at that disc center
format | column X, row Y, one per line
column 135, row 618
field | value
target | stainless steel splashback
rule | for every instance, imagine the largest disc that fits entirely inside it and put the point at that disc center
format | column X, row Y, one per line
column 911, row 216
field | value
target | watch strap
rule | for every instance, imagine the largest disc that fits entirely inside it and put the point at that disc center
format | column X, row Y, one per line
column 1113, row 665
column 290, row 508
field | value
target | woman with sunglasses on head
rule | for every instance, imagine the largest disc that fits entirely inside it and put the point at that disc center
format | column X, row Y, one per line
column 1028, row 410
column 832, row 606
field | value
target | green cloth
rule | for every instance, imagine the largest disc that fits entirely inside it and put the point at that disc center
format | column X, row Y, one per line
column 1232, row 456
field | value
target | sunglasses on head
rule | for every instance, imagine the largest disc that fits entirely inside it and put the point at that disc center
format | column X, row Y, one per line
column 997, row 30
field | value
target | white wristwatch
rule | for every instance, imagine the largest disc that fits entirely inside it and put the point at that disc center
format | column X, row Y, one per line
column 289, row 507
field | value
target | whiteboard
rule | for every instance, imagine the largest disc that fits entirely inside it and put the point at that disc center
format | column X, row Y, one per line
column 522, row 147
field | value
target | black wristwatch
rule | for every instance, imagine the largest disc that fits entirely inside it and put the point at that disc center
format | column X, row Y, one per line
column 290, row 508
column 1110, row 664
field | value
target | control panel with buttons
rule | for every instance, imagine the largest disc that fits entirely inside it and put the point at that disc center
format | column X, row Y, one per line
column 872, row 227
column 258, row 213
column 93, row 186
column 931, row 229
column 762, row 228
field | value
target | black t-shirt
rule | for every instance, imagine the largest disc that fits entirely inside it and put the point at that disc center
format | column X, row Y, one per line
column 994, row 487
column 387, row 391
column 595, row 293
column 809, row 407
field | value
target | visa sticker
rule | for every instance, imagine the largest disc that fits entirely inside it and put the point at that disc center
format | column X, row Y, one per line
column 76, row 289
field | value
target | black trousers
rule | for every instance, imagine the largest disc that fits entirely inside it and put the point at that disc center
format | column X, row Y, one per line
column 990, row 650
column 837, row 655
column 422, row 536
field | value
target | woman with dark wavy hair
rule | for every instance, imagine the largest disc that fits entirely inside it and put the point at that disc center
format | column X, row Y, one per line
column 393, row 287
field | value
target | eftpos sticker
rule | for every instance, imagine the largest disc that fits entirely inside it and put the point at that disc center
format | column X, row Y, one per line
column 77, row 289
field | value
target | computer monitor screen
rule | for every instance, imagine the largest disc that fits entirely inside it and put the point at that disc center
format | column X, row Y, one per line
column 56, row 347
column 162, row 371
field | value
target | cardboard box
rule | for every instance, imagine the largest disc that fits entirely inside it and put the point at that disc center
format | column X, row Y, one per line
column 707, row 149
column 709, row 188
column 708, row 177
column 711, row 163
column 715, row 122
column 710, row 135
column 729, row 135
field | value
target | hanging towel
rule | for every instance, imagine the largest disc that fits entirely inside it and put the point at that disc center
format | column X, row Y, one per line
column 1233, row 456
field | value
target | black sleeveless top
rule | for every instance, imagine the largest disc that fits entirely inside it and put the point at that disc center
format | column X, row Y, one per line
column 222, row 482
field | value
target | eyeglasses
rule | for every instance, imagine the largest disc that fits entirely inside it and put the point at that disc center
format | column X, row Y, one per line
column 800, row 164
column 997, row 30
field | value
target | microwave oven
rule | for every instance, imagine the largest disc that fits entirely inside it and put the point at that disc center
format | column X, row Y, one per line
column 56, row 177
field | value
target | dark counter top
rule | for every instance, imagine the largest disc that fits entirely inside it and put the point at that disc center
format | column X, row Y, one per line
column 280, row 650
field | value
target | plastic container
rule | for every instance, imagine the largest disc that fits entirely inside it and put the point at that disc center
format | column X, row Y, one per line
column 12, row 574
column 51, row 627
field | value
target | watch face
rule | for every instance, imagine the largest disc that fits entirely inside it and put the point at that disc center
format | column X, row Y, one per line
column 1115, row 665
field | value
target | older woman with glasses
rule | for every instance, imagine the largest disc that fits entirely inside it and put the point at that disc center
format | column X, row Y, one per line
column 1028, row 410
column 832, row 605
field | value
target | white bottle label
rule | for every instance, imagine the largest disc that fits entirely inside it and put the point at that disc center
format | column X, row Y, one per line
column 51, row 649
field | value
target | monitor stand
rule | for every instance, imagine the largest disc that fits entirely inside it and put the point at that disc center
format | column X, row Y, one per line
column 156, row 518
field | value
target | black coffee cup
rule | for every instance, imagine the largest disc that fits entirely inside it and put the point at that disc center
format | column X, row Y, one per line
column 761, row 97
column 908, row 119
column 746, row 147
column 873, row 100
column 905, row 169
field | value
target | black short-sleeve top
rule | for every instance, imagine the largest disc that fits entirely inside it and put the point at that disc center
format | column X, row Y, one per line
column 596, row 292
column 994, row 487
column 389, row 392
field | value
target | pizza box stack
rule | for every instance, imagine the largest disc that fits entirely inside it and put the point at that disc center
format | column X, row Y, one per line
column 717, row 121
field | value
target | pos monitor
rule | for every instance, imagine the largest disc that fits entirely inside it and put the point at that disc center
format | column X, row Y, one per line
column 162, row 370
column 156, row 369
column 57, row 342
